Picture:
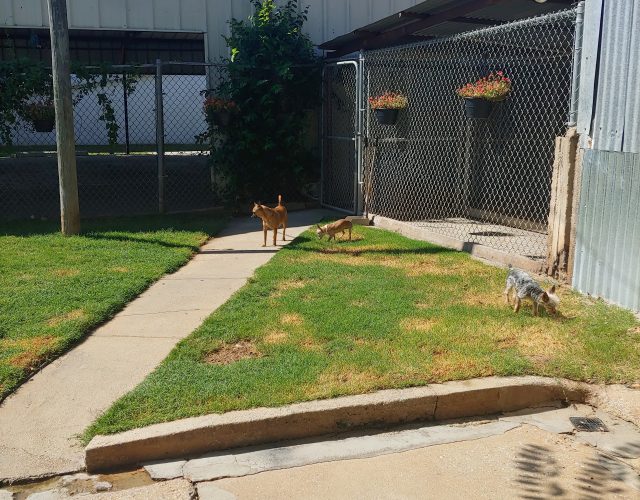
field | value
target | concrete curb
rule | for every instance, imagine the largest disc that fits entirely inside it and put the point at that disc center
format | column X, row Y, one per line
column 199, row 435
column 475, row 249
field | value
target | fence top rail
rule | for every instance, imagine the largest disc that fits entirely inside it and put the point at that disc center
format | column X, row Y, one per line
column 566, row 14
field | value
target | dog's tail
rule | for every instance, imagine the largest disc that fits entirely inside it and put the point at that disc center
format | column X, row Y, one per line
column 279, row 200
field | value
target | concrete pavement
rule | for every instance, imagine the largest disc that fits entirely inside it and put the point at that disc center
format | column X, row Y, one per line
column 40, row 421
column 531, row 454
column 525, row 463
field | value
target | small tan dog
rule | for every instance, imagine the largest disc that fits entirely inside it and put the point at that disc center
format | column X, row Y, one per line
column 339, row 226
column 272, row 218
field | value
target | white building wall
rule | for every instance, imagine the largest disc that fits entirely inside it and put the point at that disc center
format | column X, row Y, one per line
column 327, row 18
column 184, row 117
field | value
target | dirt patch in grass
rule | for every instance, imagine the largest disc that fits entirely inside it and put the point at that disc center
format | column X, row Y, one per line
column 33, row 351
column 355, row 251
column 275, row 337
column 310, row 344
column 291, row 319
column 285, row 286
column 343, row 382
column 480, row 298
column 120, row 269
column 65, row 273
column 428, row 266
column 231, row 353
column 634, row 331
column 537, row 341
column 417, row 324
column 451, row 368
column 70, row 316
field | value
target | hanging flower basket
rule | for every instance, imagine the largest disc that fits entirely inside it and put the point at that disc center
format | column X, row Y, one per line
column 480, row 96
column 41, row 114
column 387, row 107
column 44, row 125
column 477, row 108
column 219, row 111
column 387, row 116
column 221, row 118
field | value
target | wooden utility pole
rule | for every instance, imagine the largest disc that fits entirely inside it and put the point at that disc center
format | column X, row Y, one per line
column 65, row 137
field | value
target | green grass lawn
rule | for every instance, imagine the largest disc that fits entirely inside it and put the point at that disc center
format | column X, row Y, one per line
column 323, row 319
column 56, row 289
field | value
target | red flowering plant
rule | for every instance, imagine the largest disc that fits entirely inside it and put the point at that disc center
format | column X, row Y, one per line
column 219, row 111
column 389, row 100
column 219, row 104
column 493, row 87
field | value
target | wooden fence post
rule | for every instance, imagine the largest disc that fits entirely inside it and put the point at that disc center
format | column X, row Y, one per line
column 65, row 135
column 561, row 210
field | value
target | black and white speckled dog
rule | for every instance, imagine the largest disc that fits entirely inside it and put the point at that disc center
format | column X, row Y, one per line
column 526, row 287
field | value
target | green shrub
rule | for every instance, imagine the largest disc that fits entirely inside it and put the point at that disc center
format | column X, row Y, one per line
column 273, row 76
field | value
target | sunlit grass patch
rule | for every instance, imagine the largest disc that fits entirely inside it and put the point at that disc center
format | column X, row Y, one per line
column 56, row 289
column 382, row 311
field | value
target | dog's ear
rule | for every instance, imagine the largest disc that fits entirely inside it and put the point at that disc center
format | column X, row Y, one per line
column 319, row 227
column 552, row 289
column 545, row 297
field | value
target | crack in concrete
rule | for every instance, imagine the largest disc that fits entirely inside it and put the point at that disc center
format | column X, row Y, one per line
column 124, row 313
column 435, row 408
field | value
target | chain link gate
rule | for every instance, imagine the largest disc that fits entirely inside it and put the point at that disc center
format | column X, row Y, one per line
column 341, row 136
column 480, row 181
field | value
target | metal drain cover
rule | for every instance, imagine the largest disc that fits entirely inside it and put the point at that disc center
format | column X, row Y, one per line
column 586, row 424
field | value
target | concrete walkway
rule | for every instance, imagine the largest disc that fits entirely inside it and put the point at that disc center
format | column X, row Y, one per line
column 40, row 422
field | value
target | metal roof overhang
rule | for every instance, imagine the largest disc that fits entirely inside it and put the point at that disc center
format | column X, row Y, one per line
column 438, row 18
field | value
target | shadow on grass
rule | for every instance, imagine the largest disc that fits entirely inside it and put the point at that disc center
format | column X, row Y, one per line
column 205, row 223
column 152, row 241
column 306, row 244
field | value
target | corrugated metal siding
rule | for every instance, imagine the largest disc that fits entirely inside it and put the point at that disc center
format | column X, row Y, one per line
column 608, row 232
column 614, row 122
column 327, row 18
column 185, row 15
column 588, row 66
column 631, row 141
column 614, row 69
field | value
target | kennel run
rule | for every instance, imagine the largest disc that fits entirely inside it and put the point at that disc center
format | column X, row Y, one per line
column 479, row 181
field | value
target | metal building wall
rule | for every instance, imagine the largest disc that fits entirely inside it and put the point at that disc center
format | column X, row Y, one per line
column 327, row 18
column 608, row 233
column 332, row 18
column 609, row 110
column 608, row 226
column 203, row 16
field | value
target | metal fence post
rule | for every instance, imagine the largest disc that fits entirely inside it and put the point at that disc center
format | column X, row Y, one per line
column 160, row 135
column 360, row 134
column 127, row 145
column 577, row 59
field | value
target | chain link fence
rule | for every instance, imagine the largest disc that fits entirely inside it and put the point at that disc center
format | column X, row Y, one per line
column 120, row 171
column 482, row 181
column 340, row 148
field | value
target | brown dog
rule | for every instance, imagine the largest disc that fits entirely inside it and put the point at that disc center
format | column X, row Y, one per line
column 272, row 218
column 339, row 226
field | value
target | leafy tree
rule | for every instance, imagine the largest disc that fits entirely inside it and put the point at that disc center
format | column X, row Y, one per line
column 273, row 78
